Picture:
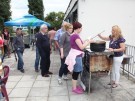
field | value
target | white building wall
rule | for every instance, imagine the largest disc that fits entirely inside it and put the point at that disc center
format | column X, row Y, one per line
column 99, row 15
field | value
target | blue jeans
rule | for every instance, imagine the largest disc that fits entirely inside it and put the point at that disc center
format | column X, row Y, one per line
column 0, row 53
column 20, row 60
column 37, row 59
column 1, row 96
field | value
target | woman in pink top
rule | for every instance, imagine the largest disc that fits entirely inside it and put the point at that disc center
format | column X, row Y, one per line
column 6, row 37
column 78, row 44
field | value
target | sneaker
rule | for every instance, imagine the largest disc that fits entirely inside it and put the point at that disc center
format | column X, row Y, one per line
column 79, row 88
column 77, row 91
column 9, row 56
column 65, row 77
column 59, row 81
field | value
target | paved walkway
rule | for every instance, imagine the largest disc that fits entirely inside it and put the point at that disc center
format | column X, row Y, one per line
column 30, row 86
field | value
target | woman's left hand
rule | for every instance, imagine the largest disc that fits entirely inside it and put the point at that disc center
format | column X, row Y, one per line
column 110, row 49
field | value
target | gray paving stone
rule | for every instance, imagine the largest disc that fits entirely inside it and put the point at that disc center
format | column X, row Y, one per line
column 39, row 92
column 105, row 78
column 69, row 83
column 81, row 97
column 131, row 91
column 55, row 91
column 11, row 84
column 96, row 85
column 123, row 78
column 37, row 99
column 54, row 83
column 100, row 95
column 121, row 95
column 17, row 99
column 54, row 77
column 40, row 78
column 14, row 78
column 127, row 85
column 55, row 72
column 58, row 98
column 9, row 90
column 24, row 84
column 19, row 92
column 41, row 84
column 28, row 78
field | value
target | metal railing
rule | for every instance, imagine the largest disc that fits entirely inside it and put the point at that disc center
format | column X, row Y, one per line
column 129, row 67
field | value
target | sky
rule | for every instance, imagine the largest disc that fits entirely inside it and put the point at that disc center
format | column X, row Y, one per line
column 20, row 8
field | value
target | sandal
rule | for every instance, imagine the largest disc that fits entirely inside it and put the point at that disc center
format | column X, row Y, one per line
column 110, row 83
column 114, row 85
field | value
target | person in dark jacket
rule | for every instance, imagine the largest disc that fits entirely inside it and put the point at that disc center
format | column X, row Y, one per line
column 19, row 48
column 43, row 45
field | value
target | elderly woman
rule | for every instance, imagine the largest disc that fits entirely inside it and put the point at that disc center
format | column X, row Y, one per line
column 117, row 45
column 64, row 50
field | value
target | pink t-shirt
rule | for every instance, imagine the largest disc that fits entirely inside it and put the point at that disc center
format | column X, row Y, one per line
column 1, row 42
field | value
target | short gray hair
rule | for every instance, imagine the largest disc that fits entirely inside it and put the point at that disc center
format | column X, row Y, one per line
column 42, row 26
column 64, row 23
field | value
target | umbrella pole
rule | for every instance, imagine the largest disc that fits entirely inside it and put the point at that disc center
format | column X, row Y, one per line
column 33, row 39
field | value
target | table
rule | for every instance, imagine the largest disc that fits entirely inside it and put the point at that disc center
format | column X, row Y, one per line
column 95, row 62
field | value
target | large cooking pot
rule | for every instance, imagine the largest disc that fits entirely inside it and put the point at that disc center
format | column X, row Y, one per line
column 98, row 46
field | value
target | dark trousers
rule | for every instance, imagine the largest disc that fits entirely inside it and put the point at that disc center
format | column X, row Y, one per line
column 63, row 68
column 45, row 63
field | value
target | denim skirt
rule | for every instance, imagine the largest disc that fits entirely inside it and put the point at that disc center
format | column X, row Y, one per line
column 78, row 66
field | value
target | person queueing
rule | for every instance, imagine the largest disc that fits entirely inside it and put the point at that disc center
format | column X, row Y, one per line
column 6, row 37
column 59, row 34
column 51, row 34
column 64, row 50
column 43, row 45
column 37, row 60
column 117, row 45
column 19, row 48
column 75, row 55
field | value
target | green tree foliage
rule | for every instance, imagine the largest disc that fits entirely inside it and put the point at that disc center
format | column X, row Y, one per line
column 36, row 8
column 5, row 13
column 55, row 19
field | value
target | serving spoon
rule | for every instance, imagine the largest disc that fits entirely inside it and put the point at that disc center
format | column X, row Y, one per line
column 98, row 34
